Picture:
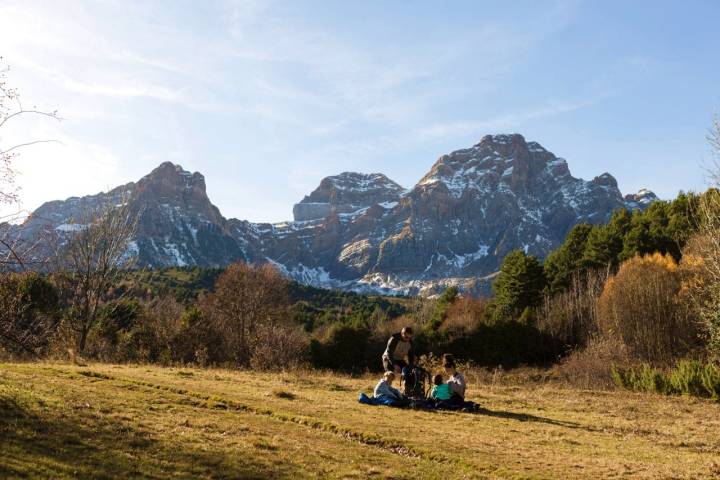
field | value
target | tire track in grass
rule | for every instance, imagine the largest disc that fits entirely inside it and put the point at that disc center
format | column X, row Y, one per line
column 202, row 400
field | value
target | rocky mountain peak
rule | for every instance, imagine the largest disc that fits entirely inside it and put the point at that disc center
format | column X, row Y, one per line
column 641, row 199
column 506, row 159
column 606, row 180
column 345, row 193
column 171, row 177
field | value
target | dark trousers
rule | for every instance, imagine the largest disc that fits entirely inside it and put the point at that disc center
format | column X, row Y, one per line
column 389, row 364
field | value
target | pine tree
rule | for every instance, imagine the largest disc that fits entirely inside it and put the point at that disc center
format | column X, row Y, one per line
column 560, row 264
column 518, row 286
column 605, row 242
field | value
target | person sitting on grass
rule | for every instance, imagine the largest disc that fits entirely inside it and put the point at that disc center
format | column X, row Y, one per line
column 385, row 391
column 456, row 382
column 441, row 390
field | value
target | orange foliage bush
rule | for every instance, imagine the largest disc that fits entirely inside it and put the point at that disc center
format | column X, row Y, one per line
column 641, row 307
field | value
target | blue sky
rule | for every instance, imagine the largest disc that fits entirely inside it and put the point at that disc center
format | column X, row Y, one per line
column 265, row 98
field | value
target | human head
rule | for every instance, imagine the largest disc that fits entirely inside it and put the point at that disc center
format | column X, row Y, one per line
column 449, row 368
column 389, row 376
column 448, row 358
column 438, row 379
column 407, row 334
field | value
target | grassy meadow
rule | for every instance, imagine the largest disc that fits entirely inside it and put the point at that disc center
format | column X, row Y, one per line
column 119, row 421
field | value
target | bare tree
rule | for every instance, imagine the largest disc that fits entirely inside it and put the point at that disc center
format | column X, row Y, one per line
column 93, row 260
column 246, row 301
column 706, row 247
column 14, row 250
column 570, row 316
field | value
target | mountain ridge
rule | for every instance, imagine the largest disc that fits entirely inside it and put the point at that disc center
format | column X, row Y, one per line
column 366, row 232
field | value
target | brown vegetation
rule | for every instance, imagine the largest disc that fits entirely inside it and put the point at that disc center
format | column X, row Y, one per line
column 640, row 306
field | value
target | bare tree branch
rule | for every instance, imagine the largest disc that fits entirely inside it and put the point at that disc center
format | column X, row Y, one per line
column 27, row 144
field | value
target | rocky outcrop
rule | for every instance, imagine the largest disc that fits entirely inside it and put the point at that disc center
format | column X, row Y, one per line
column 346, row 193
column 364, row 231
column 640, row 200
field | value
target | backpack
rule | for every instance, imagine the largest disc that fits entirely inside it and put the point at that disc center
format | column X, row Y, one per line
column 417, row 383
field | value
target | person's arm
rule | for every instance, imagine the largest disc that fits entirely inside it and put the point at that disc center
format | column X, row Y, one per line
column 391, row 346
column 379, row 389
column 396, row 393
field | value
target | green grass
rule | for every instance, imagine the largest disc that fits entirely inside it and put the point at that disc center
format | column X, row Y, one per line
column 111, row 421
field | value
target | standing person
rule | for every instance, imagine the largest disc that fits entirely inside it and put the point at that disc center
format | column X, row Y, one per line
column 399, row 354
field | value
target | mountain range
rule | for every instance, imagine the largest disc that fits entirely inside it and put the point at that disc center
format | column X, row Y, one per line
column 365, row 232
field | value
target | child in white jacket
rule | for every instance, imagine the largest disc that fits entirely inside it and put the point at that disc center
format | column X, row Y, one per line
column 385, row 390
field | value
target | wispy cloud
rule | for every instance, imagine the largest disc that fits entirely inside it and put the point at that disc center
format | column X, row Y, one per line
column 263, row 87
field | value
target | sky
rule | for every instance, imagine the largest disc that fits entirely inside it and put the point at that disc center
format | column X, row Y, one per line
column 265, row 98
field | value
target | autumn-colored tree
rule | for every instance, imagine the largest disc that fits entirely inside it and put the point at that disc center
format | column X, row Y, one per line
column 640, row 306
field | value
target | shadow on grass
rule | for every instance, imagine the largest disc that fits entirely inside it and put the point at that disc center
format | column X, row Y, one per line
column 524, row 417
column 51, row 444
column 520, row 417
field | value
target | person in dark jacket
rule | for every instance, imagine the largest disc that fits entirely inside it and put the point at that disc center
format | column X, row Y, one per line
column 399, row 354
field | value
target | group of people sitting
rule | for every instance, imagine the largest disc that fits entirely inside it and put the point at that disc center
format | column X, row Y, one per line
column 398, row 360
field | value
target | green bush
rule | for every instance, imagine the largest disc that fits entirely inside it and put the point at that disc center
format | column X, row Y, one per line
column 342, row 348
column 711, row 380
column 688, row 377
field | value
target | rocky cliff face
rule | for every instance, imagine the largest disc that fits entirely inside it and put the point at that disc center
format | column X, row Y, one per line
column 364, row 231
column 177, row 224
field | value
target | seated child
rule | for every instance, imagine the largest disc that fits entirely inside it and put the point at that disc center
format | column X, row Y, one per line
column 385, row 390
column 441, row 390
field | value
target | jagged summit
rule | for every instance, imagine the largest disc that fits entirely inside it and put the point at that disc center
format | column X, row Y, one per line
column 508, row 161
column 171, row 175
column 346, row 193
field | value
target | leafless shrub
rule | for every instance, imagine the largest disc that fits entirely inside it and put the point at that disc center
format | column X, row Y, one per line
column 570, row 316
column 278, row 347
column 591, row 366
column 463, row 316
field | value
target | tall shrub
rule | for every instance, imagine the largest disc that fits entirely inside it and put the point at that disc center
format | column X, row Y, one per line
column 640, row 307
column 247, row 299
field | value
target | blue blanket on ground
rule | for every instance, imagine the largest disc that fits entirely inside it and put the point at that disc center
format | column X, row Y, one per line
column 377, row 401
column 428, row 404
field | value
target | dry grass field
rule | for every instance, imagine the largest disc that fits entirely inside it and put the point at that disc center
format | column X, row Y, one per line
column 117, row 421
